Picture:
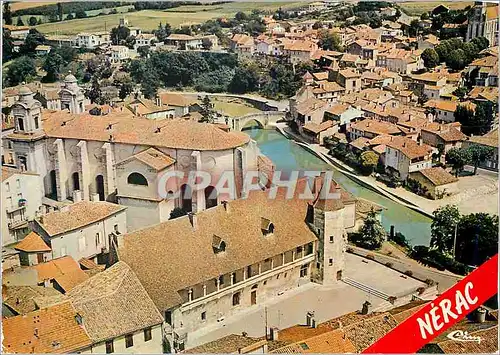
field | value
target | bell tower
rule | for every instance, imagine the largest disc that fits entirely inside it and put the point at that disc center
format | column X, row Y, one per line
column 27, row 113
column 71, row 96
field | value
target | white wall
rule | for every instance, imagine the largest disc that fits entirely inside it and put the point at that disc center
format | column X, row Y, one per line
column 153, row 346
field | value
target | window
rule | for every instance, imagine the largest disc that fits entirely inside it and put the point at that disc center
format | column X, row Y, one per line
column 20, row 122
column 330, row 261
column 63, row 251
column 331, row 239
column 109, row 347
column 236, row 299
column 221, row 280
column 7, row 187
column 147, row 334
column 36, row 122
column 115, row 228
column 97, row 239
column 81, row 243
column 129, row 340
column 190, row 295
column 303, row 270
column 137, row 179
column 168, row 317
column 203, row 316
column 9, row 201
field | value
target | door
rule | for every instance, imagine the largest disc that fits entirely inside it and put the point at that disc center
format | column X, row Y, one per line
column 99, row 181
column 53, row 184
column 339, row 275
column 253, row 297
column 39, row 257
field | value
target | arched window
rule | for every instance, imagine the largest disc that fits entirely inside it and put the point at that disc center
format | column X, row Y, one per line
column 137, row 179
column 186, row 197
column 210, row 197
column 76, row 181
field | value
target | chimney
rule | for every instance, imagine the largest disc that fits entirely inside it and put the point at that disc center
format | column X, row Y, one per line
column 46, row 283
column 35, row 332
column 226, row 205
column 77, row 196
column 193, row 219
column 310, row 321
column 480, row 315
column 273, row 333
column 79, row 319
column 134, row 109
column 366, row 308
column 158, row 101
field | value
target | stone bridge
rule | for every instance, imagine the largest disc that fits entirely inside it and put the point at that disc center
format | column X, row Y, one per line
column 264, row 119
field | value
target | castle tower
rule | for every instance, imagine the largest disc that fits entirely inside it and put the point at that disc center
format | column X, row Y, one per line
column 330, row 217
column 71, row 96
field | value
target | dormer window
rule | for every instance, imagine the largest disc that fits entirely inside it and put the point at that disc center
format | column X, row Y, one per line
column 218, row 245
column 266, row 226
column 20, row 123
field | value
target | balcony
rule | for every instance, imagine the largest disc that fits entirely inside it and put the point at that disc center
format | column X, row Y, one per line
column 21, row 223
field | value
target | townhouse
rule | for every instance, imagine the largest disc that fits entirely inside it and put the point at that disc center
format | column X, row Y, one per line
column 404, row 156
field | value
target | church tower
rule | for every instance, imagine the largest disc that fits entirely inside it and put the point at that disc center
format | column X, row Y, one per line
column 27, row 113
column 71, row 96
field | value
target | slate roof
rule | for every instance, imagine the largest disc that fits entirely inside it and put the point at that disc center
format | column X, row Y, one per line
column 114, row 303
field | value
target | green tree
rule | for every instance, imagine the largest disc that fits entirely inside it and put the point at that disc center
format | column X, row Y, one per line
column 414, row 28
column 369, row 162
column 7, row 14
column 7, row 45
column 465, row 115
column 80, row 13
column 477, row 238
column 458, row 158
column 479, row 153
column 207, row 111
column 21, row 69
column 52, row 65
column 430, row 57
column 60, row 11
column 372, row 232
column 32, row 40
column 483, row 118
column 443, row 226
column 95, row 93
column 481, row 43
column 246, row 79
column 20, row 21
column 456, row 60
column 424, row 16
column 39, row 22
column 206, row 43
column 119, row 34
column 329, row 41
column 32, row 21
column 70, row 16
column 143, row 51
column 375, row 22
column 461, row 92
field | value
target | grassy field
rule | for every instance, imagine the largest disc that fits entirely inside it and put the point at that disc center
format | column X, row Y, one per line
column 148, row 20
column 416, row 8
column 233, row 107
column 28, row 5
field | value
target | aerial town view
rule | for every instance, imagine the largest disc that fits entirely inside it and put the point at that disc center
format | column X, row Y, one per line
column 246, row 177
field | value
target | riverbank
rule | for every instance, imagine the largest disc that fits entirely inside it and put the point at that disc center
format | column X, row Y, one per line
column 368, row 182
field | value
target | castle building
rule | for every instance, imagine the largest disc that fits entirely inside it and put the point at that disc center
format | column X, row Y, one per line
column 121, row 158
column 483, row 22
column 202, row 268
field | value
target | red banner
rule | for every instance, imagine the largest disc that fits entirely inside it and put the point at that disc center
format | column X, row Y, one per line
column 440, row 314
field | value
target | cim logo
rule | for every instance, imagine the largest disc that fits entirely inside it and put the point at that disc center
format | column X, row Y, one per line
column 459, row 335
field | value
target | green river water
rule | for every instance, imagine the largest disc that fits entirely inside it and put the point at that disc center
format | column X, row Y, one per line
column 288, row 156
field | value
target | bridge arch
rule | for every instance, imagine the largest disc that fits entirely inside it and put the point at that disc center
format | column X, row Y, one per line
column 263, row 119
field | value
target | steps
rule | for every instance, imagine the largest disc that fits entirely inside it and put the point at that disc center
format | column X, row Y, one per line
column 365, row 288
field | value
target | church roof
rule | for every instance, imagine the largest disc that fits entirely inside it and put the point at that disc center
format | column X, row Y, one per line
column 121, row 128
column 153, row 158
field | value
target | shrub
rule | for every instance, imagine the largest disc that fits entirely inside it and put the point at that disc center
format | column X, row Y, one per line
column 430, row 282
column 370, row 256
column 400, row 239
column 389, row 264
column 408, row 273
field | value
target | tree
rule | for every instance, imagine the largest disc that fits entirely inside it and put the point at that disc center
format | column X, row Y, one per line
column 70, row 16
column 430, row 57
column 372, row 232
column 246, row 79
column 375, row 22
column 477, row 238
column 456, row 60
column 7, row 14
column 483, row 118
column 32, row 21
column 458, row 158
column 241, row 16
column 21, row 69
column 7, row 45
column 119, row 34
column 479, row 153
column 176, row 213
column 465, row 115
column 95, row 93
column 414, row 28
column 60, row 11
column 20, row 21
column 39, row 22
column 443, row 226
column 329, row 41
column 207, row 111
column 80, row 13
column 52, row 65
column 424, row 16
column 143, row 51
column 32, row 40
column 369, row 161
column 461, row 92
column 206, row 43
column 481, row 43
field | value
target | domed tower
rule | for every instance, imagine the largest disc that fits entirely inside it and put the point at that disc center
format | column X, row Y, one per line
column 27, row 112
column 71, row 95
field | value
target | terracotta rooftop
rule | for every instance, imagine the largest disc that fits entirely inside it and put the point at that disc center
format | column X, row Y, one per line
column 325, row 86
column 349, row 73
column 487, row 345
column 317, row 128
column 7, row 172
column 114, row 303
column 49, row 330
column 321, row 75
column 360, row 143
column 489, row 139
column 376, row 127
column 232, row 343
column 438, row 176
column 21, row 299
column 338, row 109
column 153, row 158
column 65, row 271
column 333, row 341
column 32, row 243
column 447, row 105
column 447, row 134
column 77, row 215
column 366, row 332
column 310, row 105
column 118, row 128
column 409, row 147
column 144, row 250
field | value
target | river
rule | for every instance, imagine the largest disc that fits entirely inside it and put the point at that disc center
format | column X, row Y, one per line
column 288, row 156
